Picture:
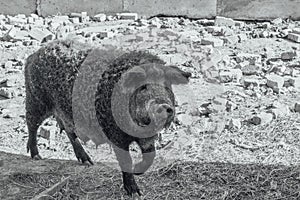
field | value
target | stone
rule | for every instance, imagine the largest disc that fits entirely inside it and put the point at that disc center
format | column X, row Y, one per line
column 290, row 55
column 7, row 93
column 7, row 83
column 231, row 39
column 219, row 104
column 223, row 21
column 279, row 110
column 235, row 124
column 75, row 20
column 185, row 119
column 215, row 42
column 275, row 82
column 239, row 24
column 297, row 107
column 277, row 21
column 289, row 82
column 100, row 17
column 8, row 64
column 251, row 81
column 45, row 132
column 249, row 70
column 84, row 17
column 41, row 35
column 128, row 16
column 225, row 76
column 213, row 29
column 251, row 58
column 262, row 118
column 294, row 37
column 242, row 37
column 296, row 31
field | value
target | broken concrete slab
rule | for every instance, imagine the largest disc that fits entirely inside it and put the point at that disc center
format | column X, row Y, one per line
column 223, row 21
column 215, row 42
column 275, row 82
column 294, row 37
column 41, row 35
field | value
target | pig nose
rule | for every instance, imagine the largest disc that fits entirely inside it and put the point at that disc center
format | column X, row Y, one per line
column 165, row 107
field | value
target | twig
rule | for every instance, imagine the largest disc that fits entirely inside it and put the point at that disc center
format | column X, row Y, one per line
column 50, row 191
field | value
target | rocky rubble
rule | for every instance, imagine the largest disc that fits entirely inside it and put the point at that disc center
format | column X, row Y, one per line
column 239, row 68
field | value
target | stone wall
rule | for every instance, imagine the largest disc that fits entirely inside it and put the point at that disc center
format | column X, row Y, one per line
column 237, row 9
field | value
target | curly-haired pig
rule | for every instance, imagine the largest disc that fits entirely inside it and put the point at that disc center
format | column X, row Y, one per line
column 103, row 95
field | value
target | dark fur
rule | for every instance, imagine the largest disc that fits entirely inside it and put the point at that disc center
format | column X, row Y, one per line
column 49, row 78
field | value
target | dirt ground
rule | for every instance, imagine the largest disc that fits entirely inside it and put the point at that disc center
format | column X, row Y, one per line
column 216, row 134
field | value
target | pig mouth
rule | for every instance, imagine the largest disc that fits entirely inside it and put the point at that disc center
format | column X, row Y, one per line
column 143, row 122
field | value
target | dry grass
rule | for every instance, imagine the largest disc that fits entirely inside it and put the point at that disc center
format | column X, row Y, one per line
column 192, row 180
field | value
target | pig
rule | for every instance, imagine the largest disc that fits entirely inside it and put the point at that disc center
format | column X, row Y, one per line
column 104, row 95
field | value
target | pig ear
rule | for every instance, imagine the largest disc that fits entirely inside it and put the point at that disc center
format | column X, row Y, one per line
column 133, row 78
column 176, row 76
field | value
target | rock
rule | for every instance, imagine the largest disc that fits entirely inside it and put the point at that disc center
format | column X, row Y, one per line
column 261, row 119
column 275, row 82
column 231, row 39
column 230, row 106
column 215, row 42
column 289, row 82
column 242, row 37
column 128, row 16
column 251, row 70
column 41, row 35
column 7, row 93
column 225, row 76
column 294, row 37
column 251, row 81
column 84, row 17
column 219, row 104
column 75, row 20
column 7, row 83
column 279, row 110
column 297, row 107
column 223, row 21
column 8, row 64
column 251, row 58
column 239, row 24
column 185, row 119
column 100, row 17
column 45, row 132
column 290, row 55
column 235, row 124
column 277, row 21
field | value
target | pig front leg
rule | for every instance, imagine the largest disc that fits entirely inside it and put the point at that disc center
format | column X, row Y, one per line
column 125, row 163
column 148, row 151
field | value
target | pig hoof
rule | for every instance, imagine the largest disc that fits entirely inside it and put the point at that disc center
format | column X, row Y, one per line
column 136, row 196
column 133, row 191
column 37, row 157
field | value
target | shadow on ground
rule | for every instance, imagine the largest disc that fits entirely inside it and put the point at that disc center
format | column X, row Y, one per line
column 23, row 178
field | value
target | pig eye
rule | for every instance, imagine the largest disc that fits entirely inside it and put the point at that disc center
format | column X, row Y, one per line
column 144, row 87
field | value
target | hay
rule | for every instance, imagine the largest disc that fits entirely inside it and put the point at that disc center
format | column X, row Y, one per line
column 191, row 180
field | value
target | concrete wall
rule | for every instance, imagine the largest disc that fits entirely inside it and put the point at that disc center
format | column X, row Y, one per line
column 191, row 8
column 259, row 9
column 52, row 7
column 238, row 9
column 14, row 7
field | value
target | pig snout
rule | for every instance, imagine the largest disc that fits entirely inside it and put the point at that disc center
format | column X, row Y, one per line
column 162, row 114
column 165, row 108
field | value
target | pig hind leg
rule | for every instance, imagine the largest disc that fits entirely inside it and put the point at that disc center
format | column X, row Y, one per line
column 78, row 148
column 36, row 113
